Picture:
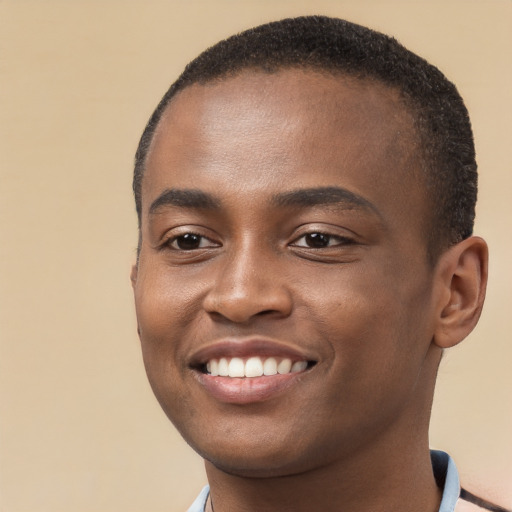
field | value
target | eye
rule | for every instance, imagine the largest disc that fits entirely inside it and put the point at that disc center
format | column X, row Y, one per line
column 320, row 240
column 190, row 242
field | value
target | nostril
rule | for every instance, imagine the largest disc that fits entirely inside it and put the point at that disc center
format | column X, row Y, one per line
column 266, row 312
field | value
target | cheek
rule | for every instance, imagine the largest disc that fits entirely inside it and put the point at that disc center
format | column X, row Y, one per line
column 377, row 325
column 160, row 307
column 163, row 358
column 165, row 302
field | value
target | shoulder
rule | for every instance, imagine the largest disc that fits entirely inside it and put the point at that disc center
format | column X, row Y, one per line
column 469, row 502
column 455, row 497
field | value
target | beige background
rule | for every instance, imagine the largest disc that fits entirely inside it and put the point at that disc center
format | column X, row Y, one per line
column 80, row 429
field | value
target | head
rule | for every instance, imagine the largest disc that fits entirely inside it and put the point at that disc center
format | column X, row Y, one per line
column 338, row 47
column 295, row 211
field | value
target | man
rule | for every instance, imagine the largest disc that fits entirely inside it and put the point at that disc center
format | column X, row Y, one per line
column 305, row 193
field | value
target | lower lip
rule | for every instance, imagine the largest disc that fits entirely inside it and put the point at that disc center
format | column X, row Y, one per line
column 249, row 389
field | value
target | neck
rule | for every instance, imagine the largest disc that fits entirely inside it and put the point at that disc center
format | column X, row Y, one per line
column 396, row 481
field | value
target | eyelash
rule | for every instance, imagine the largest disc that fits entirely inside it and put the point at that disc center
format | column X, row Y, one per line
column 315, row 237
column 173, row 242
column 322, row 236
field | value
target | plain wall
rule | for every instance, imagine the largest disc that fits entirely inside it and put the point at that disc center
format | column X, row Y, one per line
column 80, row 429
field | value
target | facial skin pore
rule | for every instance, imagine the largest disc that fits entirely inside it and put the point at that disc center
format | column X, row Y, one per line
column 284, row 216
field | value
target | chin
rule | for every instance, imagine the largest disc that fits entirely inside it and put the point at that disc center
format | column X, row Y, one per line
column 260, row 467
column 265, row 457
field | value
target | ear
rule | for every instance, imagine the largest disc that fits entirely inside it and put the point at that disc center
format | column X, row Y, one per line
column 133, row 274
column 462, row 274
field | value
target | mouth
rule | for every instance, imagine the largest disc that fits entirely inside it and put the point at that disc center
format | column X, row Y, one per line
column 242, row 372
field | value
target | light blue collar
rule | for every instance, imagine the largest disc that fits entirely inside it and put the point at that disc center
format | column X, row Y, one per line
column 200, row 502
column 444, row 469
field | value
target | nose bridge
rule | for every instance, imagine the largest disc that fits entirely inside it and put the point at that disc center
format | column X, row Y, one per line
column 249, row 283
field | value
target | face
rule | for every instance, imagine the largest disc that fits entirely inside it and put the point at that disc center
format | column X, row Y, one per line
column 283, row 292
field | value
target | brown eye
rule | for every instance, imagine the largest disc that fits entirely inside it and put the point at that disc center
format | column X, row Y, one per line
column 317, row 240
column 190, row 241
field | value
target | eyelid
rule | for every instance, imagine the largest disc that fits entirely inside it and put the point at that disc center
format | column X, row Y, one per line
column 344, row 235
column 171, row 241
column 174, row 234
column 341, row 240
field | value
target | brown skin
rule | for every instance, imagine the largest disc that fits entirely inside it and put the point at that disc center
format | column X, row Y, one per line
column 369, row 309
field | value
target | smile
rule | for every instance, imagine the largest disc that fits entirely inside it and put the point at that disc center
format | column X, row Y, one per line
column 251, row 370
column 255, row 366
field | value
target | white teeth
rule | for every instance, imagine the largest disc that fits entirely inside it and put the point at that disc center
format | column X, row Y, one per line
column 284, row 366
column 223, row 367
column 253, row 367
column 270, row 366
column 299, row 366
column 236, row 367
column 214, row 367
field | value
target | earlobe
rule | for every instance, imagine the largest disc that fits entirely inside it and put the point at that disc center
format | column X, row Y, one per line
column 133, row 275
column 462, row 271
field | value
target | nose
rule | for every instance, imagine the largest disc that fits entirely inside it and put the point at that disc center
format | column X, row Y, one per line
column 249, row 284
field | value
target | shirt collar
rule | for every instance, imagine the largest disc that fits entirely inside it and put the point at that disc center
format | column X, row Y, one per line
column 447, row 478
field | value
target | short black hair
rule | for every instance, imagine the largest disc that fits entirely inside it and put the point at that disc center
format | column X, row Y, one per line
column 337, row 46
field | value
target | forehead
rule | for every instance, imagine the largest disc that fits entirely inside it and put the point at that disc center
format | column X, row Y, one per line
column 263, row 131
column 254, row 100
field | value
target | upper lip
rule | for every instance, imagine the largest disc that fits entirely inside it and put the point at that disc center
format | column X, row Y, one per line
column 247, row 347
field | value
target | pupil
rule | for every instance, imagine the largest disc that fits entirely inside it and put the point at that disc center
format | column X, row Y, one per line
column 188, row 241
column 317, row 240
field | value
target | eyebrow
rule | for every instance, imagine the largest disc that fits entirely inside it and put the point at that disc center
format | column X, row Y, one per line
column 304, row 197
column 184, row 198
column 324, row 195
